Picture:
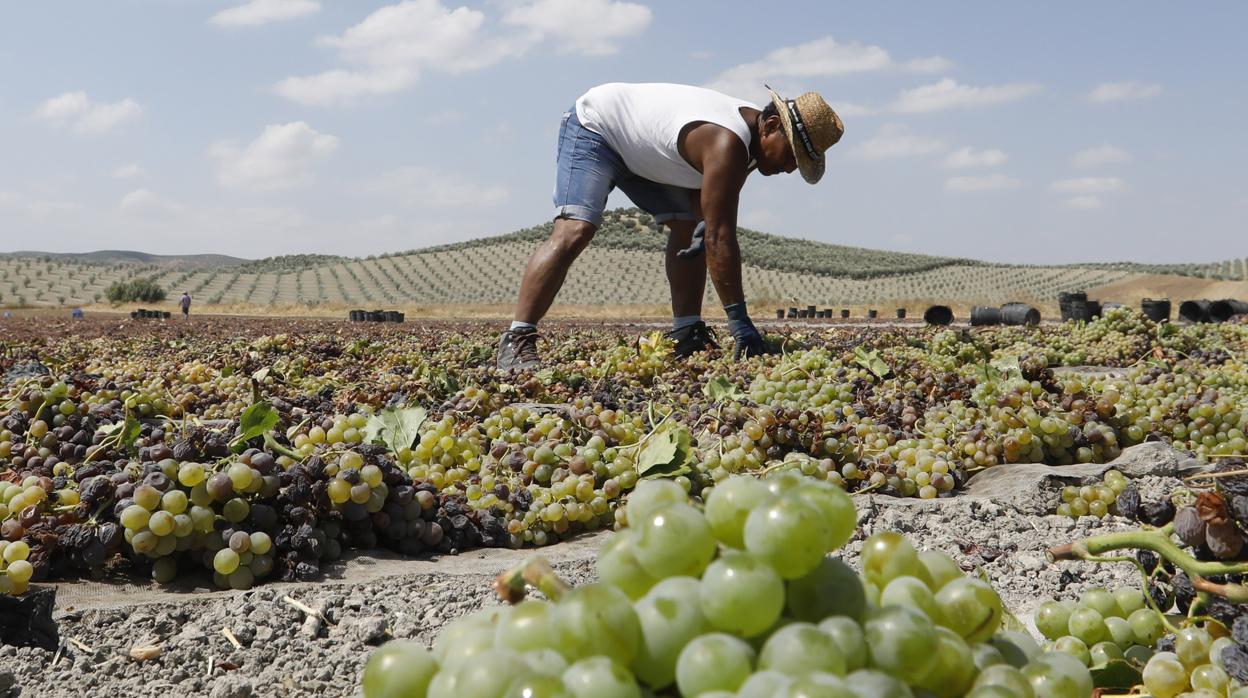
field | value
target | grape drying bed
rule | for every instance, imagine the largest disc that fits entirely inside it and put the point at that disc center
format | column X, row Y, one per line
column 300, row 441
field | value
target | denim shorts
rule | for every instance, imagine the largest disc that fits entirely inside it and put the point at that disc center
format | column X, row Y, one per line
column 588, row 168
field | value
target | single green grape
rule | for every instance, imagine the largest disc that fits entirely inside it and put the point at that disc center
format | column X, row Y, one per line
column 397, row 669
column 715, row 661
column 1165, row 676
column 741, row 594
column 799, row 648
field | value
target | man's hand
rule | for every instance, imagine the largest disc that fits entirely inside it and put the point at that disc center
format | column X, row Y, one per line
column 746, row 336
column 697, row 245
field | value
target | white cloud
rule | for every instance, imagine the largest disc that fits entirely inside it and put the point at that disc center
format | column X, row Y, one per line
column 852, row 109
column 588, row 27
column 990, row 182
column 950, row 94
column 145, row 202
column 1100, row 155
column 824, row 57
column 257, row 12
column 127, row 171
column 966, row 157
column 393, row 45
column 1118, row 91
column 897, row 141
column 77, row 111
column 280, row 158
column 1084, row 202
column 1088, row 185
column 64, row 107
column 425, row 188
column 340, row 87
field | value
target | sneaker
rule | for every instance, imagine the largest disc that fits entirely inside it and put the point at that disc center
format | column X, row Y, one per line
column 692, row 339
column 517, row 350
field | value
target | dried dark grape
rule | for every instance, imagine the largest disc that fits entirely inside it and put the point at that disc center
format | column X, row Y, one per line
column 1235, row 662
column 1184, row 593
column 1148, row 559
column 1239, row 630
column 1157, row 513
column 1128, row 503
column 1162, row 595
column 1236, row 484
column 1239, row 509
column 1189, row 527
column 1224, row 540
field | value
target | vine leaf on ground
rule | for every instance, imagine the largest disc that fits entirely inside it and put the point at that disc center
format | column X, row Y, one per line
column 665, row 453
column 1007, row 367
column 396, row 428
column 720, row 388
column 124, row 432
column 1116, row 674
column 871, row 361
column 257, row 420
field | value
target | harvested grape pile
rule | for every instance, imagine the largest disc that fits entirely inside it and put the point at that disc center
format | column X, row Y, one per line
column 255, row 454
column 239, row 452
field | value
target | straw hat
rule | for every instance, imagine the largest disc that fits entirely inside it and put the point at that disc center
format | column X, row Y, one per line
column 811, row 127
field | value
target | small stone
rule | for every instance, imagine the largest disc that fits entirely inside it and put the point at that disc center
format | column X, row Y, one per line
column 191, row 633
column 245, row 634
column 371, row 631
column 231, row 687
column 1031, row 563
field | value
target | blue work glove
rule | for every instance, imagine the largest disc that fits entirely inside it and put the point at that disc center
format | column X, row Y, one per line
column 697, row 245
column 748, row 340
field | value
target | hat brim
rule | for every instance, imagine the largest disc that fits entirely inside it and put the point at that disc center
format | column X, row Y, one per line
column 812, row 170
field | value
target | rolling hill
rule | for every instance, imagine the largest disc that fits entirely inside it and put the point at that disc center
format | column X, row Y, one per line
column 623, row 266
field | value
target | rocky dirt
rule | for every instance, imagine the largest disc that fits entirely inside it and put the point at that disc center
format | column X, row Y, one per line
column 999, row 525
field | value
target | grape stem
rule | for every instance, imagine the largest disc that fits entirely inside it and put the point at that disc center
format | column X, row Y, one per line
column 1158, row 541
column 1235, row 593
column 1213, row 476
column 511, row 586
column 272, row 444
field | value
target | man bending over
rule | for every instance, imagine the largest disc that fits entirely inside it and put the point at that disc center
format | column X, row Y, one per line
column 681, row 154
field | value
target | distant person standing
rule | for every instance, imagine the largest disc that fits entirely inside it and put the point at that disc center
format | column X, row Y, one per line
column 186, row 304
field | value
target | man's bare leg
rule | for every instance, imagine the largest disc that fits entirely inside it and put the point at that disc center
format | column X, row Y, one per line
column 686, row 277
column 544, row 275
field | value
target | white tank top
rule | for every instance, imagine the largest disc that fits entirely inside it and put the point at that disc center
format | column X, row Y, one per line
column 643, row 121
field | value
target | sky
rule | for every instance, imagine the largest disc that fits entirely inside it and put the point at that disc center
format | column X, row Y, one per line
column 1005, row 131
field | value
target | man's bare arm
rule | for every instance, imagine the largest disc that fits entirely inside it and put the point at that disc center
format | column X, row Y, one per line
column 724, row 164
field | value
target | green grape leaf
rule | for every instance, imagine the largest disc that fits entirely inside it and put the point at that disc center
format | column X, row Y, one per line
column 871, row 361
column 1116, row 674
column 477, row 356
column 396, row 428
column 987, row 373
column 666, row 453
column 720, row 388
column 107, row 430
column 1008, row 367
column 549, row 376
column 257, row 420
column 130, row 432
